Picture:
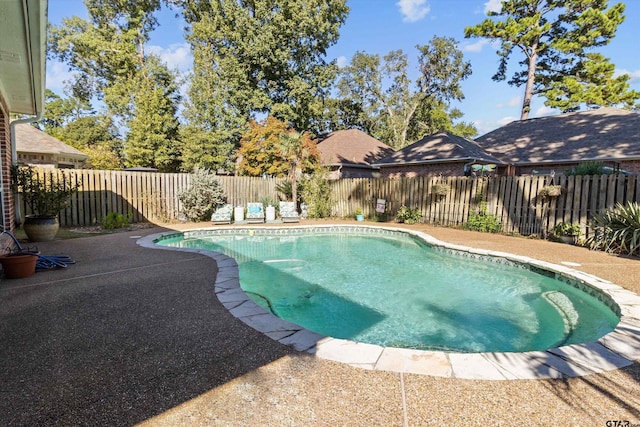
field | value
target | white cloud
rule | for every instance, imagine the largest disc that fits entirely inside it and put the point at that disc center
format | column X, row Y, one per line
column 342, row 61
column 477, row 46
column 413, row 10
column 634, row 75
column 506, row 120
column 492, row 6
column 57, row 75
column 545, row 111
column 516, row 101
column 176, row 55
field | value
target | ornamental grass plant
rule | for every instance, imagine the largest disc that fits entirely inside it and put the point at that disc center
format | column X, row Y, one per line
column 617, row 230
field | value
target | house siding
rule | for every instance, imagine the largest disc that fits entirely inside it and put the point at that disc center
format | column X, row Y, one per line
column 8, row 216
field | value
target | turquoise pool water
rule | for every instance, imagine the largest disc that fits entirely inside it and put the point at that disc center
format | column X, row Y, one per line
column 394, row 290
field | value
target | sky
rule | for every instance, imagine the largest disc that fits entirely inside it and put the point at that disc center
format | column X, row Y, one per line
column 380, row 26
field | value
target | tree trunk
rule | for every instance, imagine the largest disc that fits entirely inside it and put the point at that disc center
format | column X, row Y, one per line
column 531, row 77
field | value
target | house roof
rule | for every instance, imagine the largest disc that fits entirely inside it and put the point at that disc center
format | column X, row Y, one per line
column 601, row 134
column 32, row 140
column 23, row 36
column 438, row 148
column 351, row 147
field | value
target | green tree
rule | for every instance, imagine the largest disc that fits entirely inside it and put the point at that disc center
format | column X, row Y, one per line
column 271, row 148
column 555, row 37
column 60, row 111
column 97, row 137
column 593, row 85
column 395, row 108
column 256, row 57
column 108, row 53
column 300, row 153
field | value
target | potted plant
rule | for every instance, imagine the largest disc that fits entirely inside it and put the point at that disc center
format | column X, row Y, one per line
column 17, row 262
column 550, row 191
column 440, row 190
column 45, row 199
column 359, row 214
column 567, row 232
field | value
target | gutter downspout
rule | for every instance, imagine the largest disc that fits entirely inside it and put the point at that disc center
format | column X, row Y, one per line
column 14, row 161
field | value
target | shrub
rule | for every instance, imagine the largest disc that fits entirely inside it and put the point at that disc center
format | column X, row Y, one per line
column 316, row 194
column 617, row 230
column 566, row 229
column 408, row 215
column 587, row 168
column 114, row 220
column 203, row 195
column 481, row 220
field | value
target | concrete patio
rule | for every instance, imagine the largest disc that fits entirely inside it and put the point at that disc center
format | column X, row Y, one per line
column 133, row 335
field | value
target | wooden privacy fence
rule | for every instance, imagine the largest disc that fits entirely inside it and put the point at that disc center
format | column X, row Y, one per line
column 153, row 196
column 513, row 200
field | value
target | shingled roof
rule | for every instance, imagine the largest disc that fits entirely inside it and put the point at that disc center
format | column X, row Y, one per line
column 351, row 147
column 438, row 148
column 601, row 134
column 32, row 140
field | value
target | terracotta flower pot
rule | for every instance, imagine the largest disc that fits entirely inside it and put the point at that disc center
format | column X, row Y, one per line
column 18, row 266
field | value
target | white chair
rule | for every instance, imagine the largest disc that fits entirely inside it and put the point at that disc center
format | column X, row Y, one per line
column 223, row 214
column 255, row 212
column 288, row 212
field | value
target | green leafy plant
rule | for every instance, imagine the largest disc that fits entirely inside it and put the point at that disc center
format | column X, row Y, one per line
column 587, row 168
column 358, row 211
column 315, row 191
column 482, row 220
column 114, row 220
column 566, row 229
column 202, row 196
column 617, row 229
column 408, row 216
column 45, row 195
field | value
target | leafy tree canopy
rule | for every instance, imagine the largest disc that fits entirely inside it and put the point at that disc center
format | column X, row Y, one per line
column 556, row 39
column 252, row 58
column 388, row 105
column 271, row 148
column 108, row 53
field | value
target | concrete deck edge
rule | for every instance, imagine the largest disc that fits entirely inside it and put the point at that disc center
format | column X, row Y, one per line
column 615, row 350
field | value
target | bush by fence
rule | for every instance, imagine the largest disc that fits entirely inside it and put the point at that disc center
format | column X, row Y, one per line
column 144, row 196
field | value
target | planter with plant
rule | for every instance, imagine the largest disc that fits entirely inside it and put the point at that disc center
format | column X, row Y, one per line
column 567, row 232
column 46, row 196
column 359, row 214
column 440, row 190
column 549, row 192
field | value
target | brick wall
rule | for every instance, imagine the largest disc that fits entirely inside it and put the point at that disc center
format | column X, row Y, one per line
column 426, row 170
column 5, row 162
column 632, row 166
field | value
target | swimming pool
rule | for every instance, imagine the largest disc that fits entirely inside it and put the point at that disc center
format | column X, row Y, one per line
column 247, row 252
column 392, row 289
